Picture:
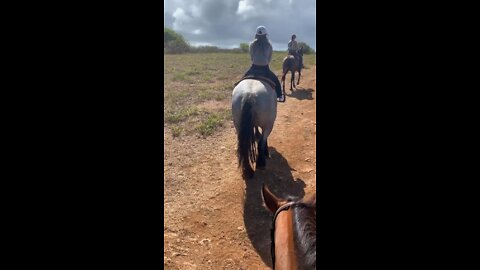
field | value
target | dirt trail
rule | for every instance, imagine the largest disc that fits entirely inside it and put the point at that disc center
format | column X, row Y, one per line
column 213, row 218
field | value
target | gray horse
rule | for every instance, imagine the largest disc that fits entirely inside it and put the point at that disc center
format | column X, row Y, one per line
column 254, row 105
column 291, row 64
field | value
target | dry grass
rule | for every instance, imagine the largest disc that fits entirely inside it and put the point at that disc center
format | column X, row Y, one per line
column 191, row 81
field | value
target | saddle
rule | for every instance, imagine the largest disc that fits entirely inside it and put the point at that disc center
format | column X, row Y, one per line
column 257, row 77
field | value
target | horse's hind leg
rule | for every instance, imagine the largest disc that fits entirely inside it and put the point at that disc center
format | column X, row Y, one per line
column 258, row 138
column 263, row 149
column 267, row 153
column 261, row 160
column 299, row 75
column 292, row 81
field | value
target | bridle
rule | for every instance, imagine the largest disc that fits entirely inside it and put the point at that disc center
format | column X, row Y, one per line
column 272, row 234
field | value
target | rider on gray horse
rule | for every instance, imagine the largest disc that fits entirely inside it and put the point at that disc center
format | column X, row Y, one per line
column 293, row 49
column 261, row 55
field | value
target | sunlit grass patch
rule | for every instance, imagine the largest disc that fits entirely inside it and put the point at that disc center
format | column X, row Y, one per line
column 206, row 77
column 213, row 121
column 213, row 95
column 193, row 72
column 176, row 131
column 208, row 126
column 179, row 115
column 172, row 97
column 179, row 76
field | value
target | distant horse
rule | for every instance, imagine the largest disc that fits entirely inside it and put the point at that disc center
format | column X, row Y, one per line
column 254, row 105
column 294, row 232
column 291, row 64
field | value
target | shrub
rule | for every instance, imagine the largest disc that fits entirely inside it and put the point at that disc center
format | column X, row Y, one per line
column 173, row 42
column 244, row 47
column 306, row 49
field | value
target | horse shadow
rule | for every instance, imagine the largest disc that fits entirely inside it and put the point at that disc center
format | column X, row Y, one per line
column 258, row 220
column 302, row 93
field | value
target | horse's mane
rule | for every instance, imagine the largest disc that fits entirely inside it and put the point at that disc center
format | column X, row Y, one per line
column 305, row 233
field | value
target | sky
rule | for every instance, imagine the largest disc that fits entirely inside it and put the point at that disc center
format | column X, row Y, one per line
column 227, row 23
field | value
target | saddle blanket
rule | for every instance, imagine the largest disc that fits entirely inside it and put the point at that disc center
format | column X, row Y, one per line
column 260, row 78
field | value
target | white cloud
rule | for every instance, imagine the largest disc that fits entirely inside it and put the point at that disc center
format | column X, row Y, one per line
column 196, row 12
column 244, row 7
column 180, row 15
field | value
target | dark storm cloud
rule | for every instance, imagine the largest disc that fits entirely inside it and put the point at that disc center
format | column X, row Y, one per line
column 227, row 23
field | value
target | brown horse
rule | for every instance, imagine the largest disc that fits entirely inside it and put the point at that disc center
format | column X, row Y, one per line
column 294, row 232
column 291, row 64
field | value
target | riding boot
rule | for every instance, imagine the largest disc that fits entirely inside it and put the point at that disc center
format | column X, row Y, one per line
column 278, row 89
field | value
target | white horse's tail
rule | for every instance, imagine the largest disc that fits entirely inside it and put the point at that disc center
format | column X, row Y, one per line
column 246, row 150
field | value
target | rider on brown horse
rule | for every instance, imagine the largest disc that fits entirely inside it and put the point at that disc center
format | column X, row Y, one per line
column 293, row 50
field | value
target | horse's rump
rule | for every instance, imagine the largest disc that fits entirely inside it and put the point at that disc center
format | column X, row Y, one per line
column 289, row 62
column 253, row 105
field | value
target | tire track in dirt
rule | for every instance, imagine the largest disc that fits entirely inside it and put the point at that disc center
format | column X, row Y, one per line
column 212, row 218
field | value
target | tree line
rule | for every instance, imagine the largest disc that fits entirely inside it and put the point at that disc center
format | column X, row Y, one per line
column 175, row 43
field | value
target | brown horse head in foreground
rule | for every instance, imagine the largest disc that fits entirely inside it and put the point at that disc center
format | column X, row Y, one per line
column 294, row 231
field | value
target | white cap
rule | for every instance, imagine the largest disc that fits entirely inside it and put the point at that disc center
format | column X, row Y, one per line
column 261, row 30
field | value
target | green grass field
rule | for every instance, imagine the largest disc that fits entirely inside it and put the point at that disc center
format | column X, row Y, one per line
column 197, row 88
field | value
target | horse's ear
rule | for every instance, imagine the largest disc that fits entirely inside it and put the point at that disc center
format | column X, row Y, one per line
column 311, row 200
column 271, row 201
